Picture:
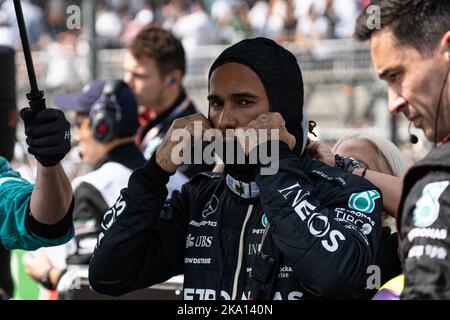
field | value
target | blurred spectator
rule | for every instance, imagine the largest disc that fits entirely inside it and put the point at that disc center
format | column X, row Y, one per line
column 232, row 18
column 331, row 16
column 302, row 7
column 154, row 67
column 276, row 19
column 56, row 17
column 346, row 11
column 384, row 165
column 258, row 16
column 7, row 32
column 33, row 16
column 143, row 17
column 106, row 120
column 196, row 22
column 108, row 26
column 312, row 27
column 63, row 69
column 290, row 21
column 380, row 155
column 194, row 27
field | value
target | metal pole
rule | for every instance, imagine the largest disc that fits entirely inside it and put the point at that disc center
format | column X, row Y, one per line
column 89, row 18
column 35, row 96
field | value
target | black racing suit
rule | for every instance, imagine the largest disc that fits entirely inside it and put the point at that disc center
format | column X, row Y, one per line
column 321, row 229
column 423, row 223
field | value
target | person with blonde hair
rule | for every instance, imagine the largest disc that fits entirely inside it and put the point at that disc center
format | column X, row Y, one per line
column 380, row 161
column 377, row 154
column 370, row 156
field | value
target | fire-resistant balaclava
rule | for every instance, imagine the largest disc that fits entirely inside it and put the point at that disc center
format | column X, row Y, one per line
column 281, row 76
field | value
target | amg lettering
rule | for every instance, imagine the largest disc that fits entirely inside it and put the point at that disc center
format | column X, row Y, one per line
column 203, row 223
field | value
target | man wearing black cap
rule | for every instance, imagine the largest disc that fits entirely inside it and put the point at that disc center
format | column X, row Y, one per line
column 307, row 231
column 106, row 121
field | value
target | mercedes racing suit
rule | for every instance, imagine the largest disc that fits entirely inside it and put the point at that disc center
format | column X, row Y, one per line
column 424, row 219
column 309, row 231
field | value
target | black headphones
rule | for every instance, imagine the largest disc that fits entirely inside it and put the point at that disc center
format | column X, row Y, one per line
column 106, row 114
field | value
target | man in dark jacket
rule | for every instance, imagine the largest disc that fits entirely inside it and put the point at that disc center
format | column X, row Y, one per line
column 411, row 51
column 307, row 231
column 154, row 68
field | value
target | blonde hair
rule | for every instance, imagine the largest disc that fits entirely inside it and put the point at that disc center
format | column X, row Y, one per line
column 391, row 159
column 391, row 156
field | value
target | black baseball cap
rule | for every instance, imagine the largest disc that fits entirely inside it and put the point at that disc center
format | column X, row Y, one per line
column 83, row 102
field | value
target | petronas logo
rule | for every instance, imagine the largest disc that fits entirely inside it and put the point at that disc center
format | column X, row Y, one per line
column 363, row 201
column 427, row 207
column 264, row 220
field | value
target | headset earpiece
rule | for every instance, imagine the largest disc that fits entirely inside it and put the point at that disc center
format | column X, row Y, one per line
column 105, row 115
column 173, row 80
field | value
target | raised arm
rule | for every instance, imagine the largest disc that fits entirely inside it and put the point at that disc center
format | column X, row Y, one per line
column 329, row 233
column 391, row 186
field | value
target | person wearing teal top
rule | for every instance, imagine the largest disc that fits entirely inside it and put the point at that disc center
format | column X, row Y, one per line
column 39, row 215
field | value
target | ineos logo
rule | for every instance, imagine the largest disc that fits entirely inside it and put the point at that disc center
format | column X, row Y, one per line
column 112, row 214
column 317, row 219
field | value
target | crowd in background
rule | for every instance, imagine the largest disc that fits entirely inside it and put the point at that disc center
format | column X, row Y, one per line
column 196, row 22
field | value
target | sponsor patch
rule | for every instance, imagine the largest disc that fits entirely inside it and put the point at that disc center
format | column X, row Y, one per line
column 427, row 207
column 363, row 201
column 210, row 207
column 264, row 220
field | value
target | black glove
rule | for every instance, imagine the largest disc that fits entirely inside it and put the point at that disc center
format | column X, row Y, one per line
column 48, row 135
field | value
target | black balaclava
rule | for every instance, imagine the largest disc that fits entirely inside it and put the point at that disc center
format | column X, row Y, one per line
column 281, row 76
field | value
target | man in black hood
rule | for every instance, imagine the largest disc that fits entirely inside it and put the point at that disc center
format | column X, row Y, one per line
column 306, row 231
column 277, row 77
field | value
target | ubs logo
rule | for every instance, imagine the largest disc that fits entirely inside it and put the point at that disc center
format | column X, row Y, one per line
column 198, row 242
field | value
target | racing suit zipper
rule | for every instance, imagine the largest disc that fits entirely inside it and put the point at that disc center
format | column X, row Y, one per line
column 240, row 253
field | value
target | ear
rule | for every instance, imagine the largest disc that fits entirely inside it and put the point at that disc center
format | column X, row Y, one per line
column 446, row 45
column 173, row 78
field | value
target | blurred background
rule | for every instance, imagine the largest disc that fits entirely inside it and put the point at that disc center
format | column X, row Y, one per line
column 74, row 41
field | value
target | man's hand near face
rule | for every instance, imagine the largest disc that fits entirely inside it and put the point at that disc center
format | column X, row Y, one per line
column 164, row 151
column 267, row 121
